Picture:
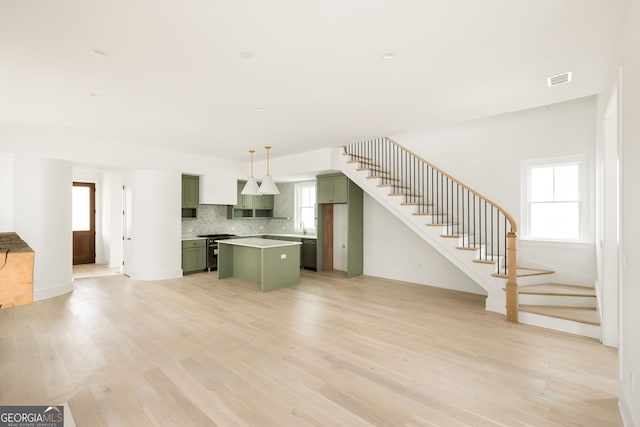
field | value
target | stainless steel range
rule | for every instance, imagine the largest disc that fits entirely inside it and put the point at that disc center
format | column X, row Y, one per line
column 212, row 248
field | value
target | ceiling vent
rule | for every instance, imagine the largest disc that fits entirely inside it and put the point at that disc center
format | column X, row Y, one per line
column 559, row 79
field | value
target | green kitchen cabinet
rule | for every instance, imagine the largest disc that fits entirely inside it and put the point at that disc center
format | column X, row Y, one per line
column 190, row 195
column 251, row 206
column 332, row 189
column 264, row 201
column 245, row 201
column 194, row 255
column 355, row 231
column 190, row 191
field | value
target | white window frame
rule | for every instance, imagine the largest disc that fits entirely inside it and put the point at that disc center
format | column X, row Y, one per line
column 586, row 217
column 297, row 216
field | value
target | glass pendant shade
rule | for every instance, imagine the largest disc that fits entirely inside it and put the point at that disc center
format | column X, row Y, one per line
column 251, row 187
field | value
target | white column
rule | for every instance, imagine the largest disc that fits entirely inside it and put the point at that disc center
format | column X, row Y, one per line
column 42, row 207
column 154, row 251
column 6, row 192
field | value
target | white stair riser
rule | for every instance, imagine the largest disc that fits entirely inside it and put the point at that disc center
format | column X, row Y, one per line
column 557, row 300
column 536, row 279
column 563, row 325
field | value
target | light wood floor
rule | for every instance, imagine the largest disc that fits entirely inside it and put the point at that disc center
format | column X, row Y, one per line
column 81, row 271
column 197, row 352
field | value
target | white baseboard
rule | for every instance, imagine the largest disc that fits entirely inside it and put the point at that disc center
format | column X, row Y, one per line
column 52, row 291
column 624, row 403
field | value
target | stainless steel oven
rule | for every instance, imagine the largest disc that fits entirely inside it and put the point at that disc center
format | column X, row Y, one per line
column 212, row 248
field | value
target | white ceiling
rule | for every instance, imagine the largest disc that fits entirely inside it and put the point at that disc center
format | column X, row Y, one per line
column 173, row 75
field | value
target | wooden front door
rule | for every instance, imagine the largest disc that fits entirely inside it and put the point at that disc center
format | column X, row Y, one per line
column 84, row 223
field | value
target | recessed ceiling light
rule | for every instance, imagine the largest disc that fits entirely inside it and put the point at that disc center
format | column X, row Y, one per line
column 98, row 52
column 388, row 56
column 259, row 109
column 373, row 119
column 246, row 54
column 95, row 95
column 67, row 127
column 559, row 79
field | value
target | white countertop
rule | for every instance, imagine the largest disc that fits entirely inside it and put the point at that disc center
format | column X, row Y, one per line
column 192, row 238
column 295, row 235
column 302, row 236
column 255, row 242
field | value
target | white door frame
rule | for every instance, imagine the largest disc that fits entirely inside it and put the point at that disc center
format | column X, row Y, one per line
column 610, row 223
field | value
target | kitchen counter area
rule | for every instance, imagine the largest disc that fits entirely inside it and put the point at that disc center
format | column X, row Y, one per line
column 270, row 263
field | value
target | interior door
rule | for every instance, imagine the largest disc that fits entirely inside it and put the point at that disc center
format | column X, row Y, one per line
column 127, row 229
column 84, row 222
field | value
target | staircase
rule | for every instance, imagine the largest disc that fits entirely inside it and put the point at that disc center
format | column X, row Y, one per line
column 474, row 233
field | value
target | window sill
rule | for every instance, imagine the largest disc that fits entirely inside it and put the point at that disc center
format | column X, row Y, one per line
column 555, row 244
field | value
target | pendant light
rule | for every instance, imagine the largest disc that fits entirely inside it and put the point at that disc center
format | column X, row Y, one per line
column 251, row 187
column 268, row 186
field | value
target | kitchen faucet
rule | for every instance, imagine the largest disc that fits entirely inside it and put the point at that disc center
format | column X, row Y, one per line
column 302, row 226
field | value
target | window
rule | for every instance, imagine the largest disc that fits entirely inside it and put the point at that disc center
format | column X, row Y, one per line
column 556, row 200
column 81, row 208
column 305, row 206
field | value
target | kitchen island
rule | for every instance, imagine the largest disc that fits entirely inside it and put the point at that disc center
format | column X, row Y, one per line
column 272, row 264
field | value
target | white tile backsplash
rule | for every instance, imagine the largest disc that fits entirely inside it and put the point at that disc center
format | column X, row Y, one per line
column 213, row 218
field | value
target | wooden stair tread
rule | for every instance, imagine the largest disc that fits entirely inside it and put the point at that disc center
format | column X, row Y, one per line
column 403, row 187
column 357, row 156
column 372, row 170
column 485, row 261
column 523, row 272
column 383, row 177
column 557, row 289
column 470, row 248
column 587, row 315
column 364, row 162
column 416, row 196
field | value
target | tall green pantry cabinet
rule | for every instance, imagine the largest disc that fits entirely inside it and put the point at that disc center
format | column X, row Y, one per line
column 338, row 189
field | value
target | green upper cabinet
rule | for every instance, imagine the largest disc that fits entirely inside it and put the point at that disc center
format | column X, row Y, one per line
column 251, row 206
column 190, row 191
column 332, row 189
column 263, row 202
column 244, row 201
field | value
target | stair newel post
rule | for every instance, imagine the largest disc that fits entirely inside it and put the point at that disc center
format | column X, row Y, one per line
column 512, row 281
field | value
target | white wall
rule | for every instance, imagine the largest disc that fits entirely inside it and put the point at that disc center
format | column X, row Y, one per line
column 295, row 167
column 6, row 192
column 43, row 220
column 111, row 155
column 155, row 249
column 112, row 219
column 393, row 251
column 487, row 154
column 630, row 339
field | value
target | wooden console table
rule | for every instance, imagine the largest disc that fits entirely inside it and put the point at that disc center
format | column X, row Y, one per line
column 16, row 271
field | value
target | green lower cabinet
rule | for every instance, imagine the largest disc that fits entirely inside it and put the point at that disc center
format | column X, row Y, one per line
column 194, row 255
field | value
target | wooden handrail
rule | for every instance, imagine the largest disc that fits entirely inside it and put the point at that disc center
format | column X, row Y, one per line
column 395, row 154
column 512, row 222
